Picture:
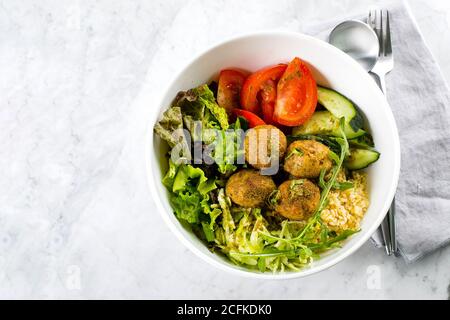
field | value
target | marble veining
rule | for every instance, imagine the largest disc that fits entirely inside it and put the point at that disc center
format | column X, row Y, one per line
column 76, row 218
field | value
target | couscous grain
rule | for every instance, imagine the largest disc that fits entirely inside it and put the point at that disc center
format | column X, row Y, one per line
column 346, row 208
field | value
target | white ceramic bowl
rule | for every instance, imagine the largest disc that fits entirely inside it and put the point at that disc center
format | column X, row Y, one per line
column 331, row 68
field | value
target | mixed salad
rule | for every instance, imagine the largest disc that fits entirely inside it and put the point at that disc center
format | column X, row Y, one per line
column 253, row 159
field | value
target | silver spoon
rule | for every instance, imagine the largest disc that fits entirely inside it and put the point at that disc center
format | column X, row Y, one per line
column 359, row 41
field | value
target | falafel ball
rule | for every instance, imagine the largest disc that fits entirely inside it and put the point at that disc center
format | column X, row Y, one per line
column 247, row 188
column 306, row 158
column 297, row 199
column 268, row 138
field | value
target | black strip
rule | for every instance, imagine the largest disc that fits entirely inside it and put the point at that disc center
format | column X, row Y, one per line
column 221, row 309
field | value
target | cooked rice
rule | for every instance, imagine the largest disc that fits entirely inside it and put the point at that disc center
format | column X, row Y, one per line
column 346, row 208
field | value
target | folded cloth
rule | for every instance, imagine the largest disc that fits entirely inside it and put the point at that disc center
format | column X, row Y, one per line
column 420, row 100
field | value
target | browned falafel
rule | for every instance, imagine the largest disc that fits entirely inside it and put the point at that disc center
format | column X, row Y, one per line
column 297, row 199
column 247, row 188
column 306, row 158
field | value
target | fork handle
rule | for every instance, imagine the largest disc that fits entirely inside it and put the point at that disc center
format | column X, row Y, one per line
column 385, row 232
column 388, row 225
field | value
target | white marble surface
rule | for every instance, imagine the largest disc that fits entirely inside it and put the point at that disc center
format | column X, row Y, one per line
column 76, row 218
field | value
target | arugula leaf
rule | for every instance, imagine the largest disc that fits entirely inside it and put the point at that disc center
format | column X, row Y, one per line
column 295, row 151
column 322, row 179
column 343, row 185
column 329, row 141
column 333, row 156
column 324, row 245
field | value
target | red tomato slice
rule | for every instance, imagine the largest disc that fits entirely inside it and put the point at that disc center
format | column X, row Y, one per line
column 252, row 119
column 268, row 99
column 229, row 89
column 296, row 95
column 255, row 83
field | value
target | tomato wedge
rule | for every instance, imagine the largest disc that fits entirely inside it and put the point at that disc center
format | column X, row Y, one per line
column 255, row 83
column 268, row 100
column 229, row 89
column 296, row 95
column 252, row 119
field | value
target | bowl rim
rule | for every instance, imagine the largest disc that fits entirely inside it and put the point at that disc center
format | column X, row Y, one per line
column 228, row 267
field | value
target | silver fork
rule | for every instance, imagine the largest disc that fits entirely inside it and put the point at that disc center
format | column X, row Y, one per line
column 378, row 20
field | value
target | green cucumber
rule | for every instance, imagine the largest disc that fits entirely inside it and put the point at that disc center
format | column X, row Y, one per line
column 365, row 141
column 325, row 123
column 340, row 107
column 360, row 158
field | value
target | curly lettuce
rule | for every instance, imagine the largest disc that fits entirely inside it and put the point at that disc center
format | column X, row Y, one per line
column 189, row 188
column 171, row 121
column 228, row 149
column 197, row 104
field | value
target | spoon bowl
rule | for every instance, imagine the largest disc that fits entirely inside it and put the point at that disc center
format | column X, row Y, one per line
column 358, row 40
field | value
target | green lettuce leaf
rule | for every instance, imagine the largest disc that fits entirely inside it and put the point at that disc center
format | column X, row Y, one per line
column 205, row 97
column 225, row 154
column 231, row 150
column 209, row 233
column 199, row 104
column 189, row 197
column 170, row 175
column 212, row 210
column 186, row 205
column 172, row 120
column 188, row 175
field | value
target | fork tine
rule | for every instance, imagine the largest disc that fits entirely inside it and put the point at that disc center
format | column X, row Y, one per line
column 370, row 19
column 381, row 34
column 387, row 38
column 374, row 22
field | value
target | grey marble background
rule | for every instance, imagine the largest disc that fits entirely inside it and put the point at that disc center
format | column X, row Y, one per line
column 76, row 218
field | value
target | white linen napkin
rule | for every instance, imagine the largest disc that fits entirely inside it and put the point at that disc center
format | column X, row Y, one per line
column 420, row 100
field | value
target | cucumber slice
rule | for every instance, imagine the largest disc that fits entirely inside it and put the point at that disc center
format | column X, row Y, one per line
column 365, row 141
column 361, row 158
column 340, row 107
column 323, row 122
